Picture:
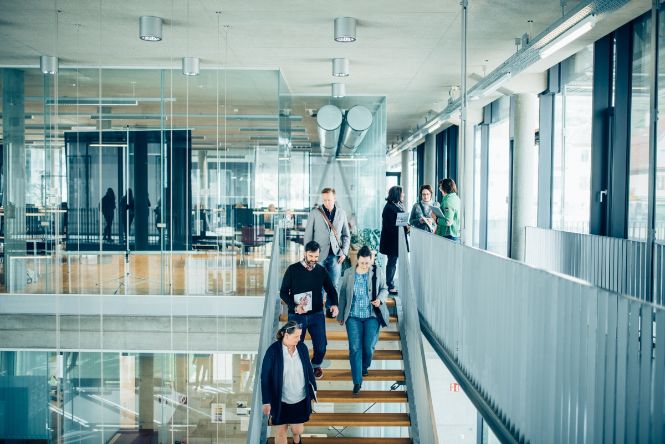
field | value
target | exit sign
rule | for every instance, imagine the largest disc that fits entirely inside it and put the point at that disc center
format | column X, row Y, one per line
column 454, row 387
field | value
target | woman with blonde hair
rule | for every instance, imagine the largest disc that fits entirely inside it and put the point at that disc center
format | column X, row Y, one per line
column 288, row 385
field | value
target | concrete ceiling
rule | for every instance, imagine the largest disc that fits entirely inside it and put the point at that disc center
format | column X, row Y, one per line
column 406, row 51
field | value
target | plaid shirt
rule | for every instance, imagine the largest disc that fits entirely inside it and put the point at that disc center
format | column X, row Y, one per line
column 360, row 305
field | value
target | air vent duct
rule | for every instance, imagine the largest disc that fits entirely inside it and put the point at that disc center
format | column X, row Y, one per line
column 358, row 121
column 329, row 122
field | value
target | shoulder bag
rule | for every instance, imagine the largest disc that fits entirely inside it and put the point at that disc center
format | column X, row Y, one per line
column 377, row 310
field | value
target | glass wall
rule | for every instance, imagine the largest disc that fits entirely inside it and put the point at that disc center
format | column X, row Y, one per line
column 148, row 166
column 638, row 176
column 125, row 396
column 571, row 174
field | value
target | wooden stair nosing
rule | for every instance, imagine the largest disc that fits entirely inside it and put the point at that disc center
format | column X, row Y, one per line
column 340, row 335
column 359, row 419
column 284, row 317
column 379, row 355
column 374, row 375
column 365, row 396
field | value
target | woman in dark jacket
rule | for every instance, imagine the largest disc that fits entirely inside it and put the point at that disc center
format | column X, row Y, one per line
column 389, row 234
column 288, row 385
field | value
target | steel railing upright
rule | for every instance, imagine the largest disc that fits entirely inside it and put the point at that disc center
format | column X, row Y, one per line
column 258, row 423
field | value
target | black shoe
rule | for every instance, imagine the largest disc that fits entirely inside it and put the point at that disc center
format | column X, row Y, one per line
column 318, row 373
column 329, row 313
column 299, row 442
column 365, row 372
column 356, row 389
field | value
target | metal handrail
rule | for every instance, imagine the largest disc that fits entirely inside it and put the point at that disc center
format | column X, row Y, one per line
column 258, row 423
column 555, row 359
column 421, row 410
column 617, row 265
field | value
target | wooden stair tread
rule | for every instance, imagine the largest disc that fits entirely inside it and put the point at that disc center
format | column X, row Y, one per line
column 374, row 375
column 284, row 317
column 379, row 355
column 347, row 440
column 340, row 335
column 345, row 396
column 359, row 419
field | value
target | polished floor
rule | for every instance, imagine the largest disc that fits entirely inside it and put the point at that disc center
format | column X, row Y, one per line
column 228, row 273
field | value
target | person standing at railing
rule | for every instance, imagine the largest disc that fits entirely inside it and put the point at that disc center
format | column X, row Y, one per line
column 362, row 308
column 421, row 213
column 302, row 291
column 288, row 386
column 108, row 211
column 448, row 226
column 389, row 233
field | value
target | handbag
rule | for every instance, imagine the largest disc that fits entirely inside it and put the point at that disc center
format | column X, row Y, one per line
column 377, row 310
column 335, row 243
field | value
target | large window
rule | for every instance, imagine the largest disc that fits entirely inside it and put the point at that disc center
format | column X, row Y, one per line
column 498, row 196
column 638, row 181
column 571, row 175
column 477, row 147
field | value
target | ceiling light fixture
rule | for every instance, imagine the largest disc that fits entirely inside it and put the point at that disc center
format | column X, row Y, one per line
column 345, row 29
column 48, row 64
column 150, row 28
column 190, row 66
column 573, row 33
column 338, row 90
column 340, row 67
column 496, row 84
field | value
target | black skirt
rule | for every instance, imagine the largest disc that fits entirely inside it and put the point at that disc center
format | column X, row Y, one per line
column 297, row 413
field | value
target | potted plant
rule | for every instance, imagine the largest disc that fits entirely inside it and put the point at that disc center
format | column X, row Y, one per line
column 366, row 236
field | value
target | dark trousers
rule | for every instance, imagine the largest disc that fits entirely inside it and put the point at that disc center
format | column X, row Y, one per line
column 391, row 268
column 315, row 323
column 363, row 334
column 107, row 227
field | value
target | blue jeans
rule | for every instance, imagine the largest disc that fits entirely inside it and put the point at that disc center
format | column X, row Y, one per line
column 363, row 334
column 316, row 324
column 334, row 270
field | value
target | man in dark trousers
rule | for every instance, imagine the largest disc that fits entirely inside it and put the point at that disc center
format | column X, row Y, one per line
column 302, row 290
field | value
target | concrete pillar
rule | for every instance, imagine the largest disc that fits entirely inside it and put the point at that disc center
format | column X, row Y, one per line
column 430, row 161
column 146, row 393
column 465, row 173
column 525, row 171
column 406, row 179
column 13, row 109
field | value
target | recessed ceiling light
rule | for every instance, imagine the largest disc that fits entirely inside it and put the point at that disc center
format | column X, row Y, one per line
column 48, row 64
column 338, row 89
column 340, row 67
column 150, row 28
column 190, row 66
column 345, row 29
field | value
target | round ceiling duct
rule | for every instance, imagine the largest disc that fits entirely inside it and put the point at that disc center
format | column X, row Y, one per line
column 358, row 121
column 329, row 121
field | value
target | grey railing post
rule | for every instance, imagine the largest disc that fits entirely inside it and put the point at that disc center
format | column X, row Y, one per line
column 257, row 430
column 421, row 411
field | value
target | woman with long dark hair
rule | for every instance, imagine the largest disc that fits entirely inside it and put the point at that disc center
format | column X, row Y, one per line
column 389, row 233
column 288, row 385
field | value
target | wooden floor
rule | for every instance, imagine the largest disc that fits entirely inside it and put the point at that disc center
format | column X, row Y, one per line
column 194, row 273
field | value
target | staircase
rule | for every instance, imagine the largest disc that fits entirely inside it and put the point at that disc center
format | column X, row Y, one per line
column 340, row 416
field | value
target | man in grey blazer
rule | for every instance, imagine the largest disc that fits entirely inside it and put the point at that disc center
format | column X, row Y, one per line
column 329, row 226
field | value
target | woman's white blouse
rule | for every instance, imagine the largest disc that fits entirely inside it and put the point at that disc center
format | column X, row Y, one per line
column 293, row 387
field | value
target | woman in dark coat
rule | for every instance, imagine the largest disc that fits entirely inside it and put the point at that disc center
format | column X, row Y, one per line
column 389, row 234
column 288, row 385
